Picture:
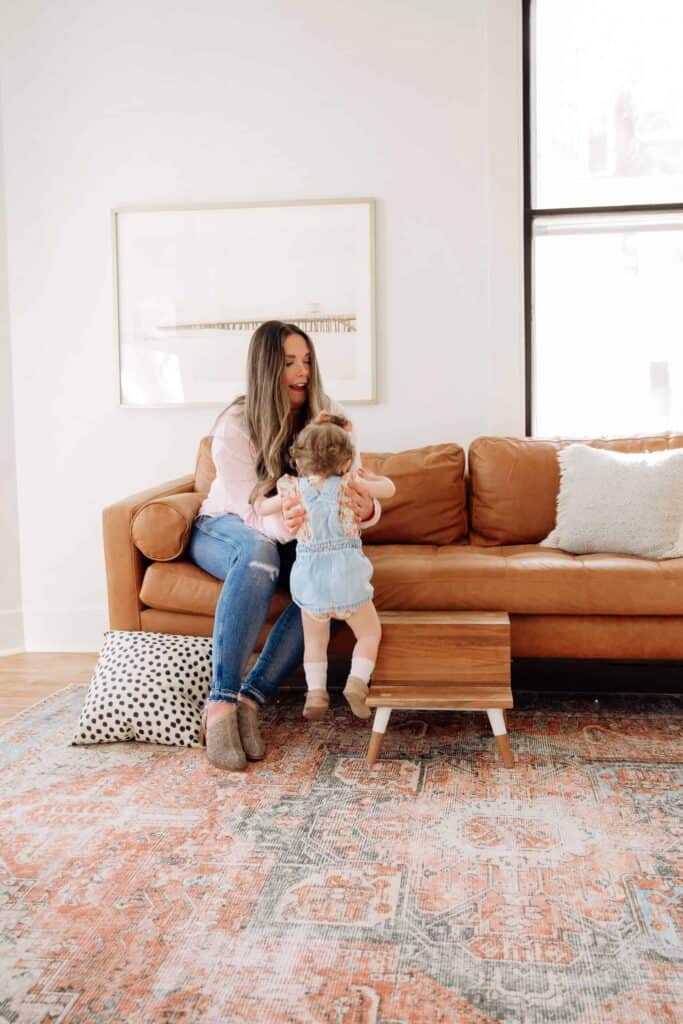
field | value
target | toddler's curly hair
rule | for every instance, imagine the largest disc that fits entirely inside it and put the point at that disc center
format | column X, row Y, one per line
column 322, row 447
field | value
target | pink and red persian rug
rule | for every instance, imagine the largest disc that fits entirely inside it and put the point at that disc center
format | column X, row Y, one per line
column 138, row 884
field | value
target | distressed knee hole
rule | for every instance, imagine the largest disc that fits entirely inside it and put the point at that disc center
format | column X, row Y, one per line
column 272, row 570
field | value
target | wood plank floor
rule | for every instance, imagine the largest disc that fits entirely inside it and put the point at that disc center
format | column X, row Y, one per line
column 27, row 678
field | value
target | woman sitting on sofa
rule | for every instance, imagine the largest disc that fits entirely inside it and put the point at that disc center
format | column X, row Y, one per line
column 252, row 553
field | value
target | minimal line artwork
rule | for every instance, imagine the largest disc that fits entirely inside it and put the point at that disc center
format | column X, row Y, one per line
column 310, row 324
column 193, row 284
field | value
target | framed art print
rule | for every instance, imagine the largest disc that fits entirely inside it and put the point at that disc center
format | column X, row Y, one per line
column 193, row 284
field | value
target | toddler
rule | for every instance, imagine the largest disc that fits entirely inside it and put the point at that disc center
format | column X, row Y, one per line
column 330, row 577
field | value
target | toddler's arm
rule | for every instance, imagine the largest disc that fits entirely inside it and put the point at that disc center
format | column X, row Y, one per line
column 287, row 490
column 378, row 486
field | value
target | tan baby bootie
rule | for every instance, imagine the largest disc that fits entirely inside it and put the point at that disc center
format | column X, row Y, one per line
column 356, row 693
column 317, row 703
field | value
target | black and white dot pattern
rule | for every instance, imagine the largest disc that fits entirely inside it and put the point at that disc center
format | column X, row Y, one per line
column 147, row 686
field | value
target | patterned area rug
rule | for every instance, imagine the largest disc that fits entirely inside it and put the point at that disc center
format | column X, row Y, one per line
column 138, row 884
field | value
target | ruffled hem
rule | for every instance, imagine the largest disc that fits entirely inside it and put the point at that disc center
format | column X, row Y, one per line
column 323, row 614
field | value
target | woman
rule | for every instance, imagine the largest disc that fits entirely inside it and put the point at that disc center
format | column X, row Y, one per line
column 253, row 553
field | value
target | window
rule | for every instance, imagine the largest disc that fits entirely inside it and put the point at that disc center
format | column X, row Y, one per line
column 604, row 216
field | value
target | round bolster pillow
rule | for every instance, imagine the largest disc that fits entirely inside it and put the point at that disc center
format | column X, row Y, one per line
column 161, row 528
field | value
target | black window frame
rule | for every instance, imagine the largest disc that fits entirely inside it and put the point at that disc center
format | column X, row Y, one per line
column 531, row 213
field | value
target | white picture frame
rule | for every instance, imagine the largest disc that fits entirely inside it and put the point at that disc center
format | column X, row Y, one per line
column 192, row 284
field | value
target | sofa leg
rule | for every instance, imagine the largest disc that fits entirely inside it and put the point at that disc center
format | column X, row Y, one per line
column 497, row 720
column 379, row 727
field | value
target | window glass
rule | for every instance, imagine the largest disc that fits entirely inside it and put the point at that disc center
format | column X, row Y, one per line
column 607, row 324
column 606, row 102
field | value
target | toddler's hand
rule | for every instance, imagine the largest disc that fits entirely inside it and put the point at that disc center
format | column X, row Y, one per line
column 361, row 503
column 324, row 417
column 293, row 514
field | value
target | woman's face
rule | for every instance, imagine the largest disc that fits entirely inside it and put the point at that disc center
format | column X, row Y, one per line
column 297, row 372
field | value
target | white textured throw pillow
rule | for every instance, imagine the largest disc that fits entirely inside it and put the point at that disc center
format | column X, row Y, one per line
column 147, row 686
column 627, row 503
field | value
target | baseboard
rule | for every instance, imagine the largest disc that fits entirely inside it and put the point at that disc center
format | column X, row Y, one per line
column 11, row 631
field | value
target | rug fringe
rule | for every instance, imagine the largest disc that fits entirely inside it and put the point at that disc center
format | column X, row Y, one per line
column 43, row 700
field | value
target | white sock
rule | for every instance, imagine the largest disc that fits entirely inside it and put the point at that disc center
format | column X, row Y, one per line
column 362, row 668
column 316, row 675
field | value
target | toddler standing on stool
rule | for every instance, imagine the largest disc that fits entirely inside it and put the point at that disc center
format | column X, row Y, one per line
column 330, row 578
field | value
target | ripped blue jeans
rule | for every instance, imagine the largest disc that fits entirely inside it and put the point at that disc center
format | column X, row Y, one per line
column 251, row 566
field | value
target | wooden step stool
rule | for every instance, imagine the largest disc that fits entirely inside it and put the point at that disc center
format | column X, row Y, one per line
column 443, row 661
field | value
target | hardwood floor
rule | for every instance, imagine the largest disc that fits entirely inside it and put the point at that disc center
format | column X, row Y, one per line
column 27, row 678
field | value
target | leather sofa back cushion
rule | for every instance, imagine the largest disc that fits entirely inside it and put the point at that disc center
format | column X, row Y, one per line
column 161, row 528
column 430, row 504
column 514, row 483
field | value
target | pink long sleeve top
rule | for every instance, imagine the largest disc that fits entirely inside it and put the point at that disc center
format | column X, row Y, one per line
column 233, row 457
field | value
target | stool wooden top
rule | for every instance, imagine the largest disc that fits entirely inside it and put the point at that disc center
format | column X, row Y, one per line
column 445, row 618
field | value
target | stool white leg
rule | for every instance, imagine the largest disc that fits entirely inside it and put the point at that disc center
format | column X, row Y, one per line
column 379, row 727
column 497, row 720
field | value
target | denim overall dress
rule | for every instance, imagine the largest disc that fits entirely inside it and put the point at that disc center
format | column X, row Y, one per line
column 331, row 575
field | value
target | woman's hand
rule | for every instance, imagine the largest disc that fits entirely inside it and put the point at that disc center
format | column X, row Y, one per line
column 361, row 503
column 293, row 514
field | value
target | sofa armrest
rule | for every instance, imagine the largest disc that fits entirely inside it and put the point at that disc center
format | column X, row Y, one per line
column 125, row 565
column 162, row 527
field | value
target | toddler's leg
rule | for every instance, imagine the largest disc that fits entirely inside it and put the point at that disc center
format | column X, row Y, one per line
column 316, row 639
column 368, row 632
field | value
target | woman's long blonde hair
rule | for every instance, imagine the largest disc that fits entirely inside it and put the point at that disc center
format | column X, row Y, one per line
column 268, row 415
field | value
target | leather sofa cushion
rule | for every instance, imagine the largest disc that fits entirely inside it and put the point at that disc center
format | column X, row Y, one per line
column 514, row 483
column 525, row 579
column 521, row 579
column 430, row 504
column 161, row 528
column 183, row 587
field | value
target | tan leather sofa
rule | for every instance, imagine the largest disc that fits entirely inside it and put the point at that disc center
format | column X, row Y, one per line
column 447, row 540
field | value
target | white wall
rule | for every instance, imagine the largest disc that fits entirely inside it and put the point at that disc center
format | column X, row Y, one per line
column 11, row 620
column 113, row 102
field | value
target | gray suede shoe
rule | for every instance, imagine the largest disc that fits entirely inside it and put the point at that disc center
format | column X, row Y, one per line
column 252, row 741
column 223, row 744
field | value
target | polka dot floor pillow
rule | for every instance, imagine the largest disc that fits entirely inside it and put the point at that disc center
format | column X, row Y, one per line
column 147, row 686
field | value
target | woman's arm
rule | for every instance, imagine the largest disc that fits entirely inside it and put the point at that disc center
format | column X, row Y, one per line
column 236, row 479
column 287, row 493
